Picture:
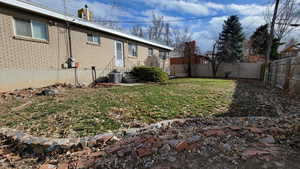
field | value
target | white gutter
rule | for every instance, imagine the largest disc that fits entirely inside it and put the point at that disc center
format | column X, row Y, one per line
column 32, row 8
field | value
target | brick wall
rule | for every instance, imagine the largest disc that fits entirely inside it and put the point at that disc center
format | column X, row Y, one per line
column 28, row 54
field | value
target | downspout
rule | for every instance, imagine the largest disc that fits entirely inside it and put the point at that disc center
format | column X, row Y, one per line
column 70, row 40
column 71, row 58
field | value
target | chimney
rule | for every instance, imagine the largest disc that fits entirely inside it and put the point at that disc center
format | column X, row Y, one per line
column 85, row 13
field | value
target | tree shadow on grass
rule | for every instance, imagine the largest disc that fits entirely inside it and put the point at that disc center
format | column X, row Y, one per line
column 250, row 98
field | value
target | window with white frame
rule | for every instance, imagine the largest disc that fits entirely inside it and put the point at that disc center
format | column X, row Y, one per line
column 150, row 52
column 132, row 49
column 31, row 28
column 95, row 39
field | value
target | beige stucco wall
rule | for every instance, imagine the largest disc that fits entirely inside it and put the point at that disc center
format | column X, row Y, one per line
column 31, row 63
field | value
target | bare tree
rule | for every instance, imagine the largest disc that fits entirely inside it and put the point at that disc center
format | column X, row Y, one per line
column 155, row 31
column 160, row 30
column 167, row 35
column 108, row 19
column 180, row 37
column 287, row 15
column 137, row 30
column 214, row 59
column 270, row 43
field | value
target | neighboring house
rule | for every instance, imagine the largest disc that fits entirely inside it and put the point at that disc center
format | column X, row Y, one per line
column 181, row 65
column 255, row 58
column 290, row 51
column 40, row 47
column 196, row 59
column 249, row 55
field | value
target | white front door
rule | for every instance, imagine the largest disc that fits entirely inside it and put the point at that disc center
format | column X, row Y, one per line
column 119, row 54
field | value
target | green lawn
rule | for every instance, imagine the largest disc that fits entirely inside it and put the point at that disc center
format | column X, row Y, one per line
column 82, row 112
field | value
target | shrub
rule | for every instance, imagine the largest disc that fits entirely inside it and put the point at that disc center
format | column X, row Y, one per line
column 149, row 74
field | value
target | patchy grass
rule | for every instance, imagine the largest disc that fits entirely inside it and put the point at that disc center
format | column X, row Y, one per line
column 82, row 112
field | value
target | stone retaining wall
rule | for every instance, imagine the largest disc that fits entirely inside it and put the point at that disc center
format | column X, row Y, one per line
column 44, row 146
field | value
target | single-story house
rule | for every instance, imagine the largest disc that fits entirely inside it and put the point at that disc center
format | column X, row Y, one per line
column 40, row 47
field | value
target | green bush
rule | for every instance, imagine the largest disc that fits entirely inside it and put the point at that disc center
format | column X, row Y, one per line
column 149, row 74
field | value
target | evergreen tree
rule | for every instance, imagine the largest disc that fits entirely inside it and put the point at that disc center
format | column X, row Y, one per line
column 259, row 41
column 274, row 50
column 231, row 40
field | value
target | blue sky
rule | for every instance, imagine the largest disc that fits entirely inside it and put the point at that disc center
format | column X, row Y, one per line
column 205, row 30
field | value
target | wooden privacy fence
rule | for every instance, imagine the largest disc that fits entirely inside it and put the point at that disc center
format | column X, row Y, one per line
column 235, row 70
column 285, row 74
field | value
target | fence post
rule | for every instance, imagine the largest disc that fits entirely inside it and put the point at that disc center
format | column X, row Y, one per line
column 288, row 74
column 275, row 74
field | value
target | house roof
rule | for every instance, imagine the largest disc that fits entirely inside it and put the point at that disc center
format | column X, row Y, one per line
column 47, row 12
column 290, row 48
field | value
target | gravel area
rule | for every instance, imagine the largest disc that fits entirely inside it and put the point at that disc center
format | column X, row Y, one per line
column 224, row 142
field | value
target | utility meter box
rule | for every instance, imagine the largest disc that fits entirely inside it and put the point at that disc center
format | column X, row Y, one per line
column 115, row 77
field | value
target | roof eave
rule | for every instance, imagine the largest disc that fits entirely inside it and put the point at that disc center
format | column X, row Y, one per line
column 46, row 12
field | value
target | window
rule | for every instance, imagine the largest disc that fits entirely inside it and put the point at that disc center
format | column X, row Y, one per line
column 23, row 27
column 132, row 49
column 31, row 28
column 39, row 30
column 93, row 39
column 163, row 55
column 150, row 52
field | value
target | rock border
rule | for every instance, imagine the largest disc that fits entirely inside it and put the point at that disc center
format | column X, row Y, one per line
column 42, row 145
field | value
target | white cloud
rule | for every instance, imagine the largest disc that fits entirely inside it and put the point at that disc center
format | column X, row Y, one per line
column 216, row 23
column 248, row 9
column 201, row 8
column 218, row 20
column 190, row 7
column 100, row 10
column 205, row 40
column 147, row 15
column 215, row 5
column 252, row 22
